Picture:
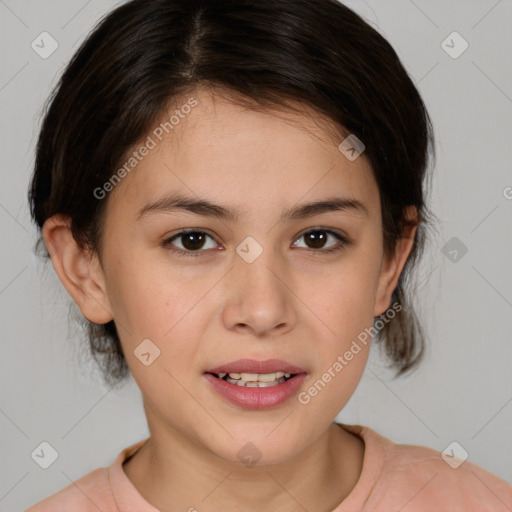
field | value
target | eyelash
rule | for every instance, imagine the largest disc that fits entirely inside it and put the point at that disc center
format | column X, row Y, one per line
column 344, row 241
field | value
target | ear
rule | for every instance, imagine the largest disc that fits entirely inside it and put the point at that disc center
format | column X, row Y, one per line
column 78, row 269
column 392, row 265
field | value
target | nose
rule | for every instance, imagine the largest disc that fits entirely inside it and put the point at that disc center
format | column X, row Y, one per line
column 260, row 299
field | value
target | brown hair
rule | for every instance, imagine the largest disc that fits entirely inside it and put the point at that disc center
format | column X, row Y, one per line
column 146, row 53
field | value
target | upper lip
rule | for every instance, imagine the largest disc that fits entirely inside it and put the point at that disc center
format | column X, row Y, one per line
column 254, row 366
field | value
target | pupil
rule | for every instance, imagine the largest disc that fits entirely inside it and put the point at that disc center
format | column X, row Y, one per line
column 188, row 240
column 317, row 237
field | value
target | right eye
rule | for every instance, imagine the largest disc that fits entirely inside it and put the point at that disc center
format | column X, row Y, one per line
column 192, row 241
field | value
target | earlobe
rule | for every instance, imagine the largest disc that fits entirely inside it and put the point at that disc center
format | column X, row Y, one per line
column 393, row 265
column 78, row 269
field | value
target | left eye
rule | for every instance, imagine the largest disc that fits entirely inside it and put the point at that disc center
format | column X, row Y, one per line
column 192, row 241
column 317, row 238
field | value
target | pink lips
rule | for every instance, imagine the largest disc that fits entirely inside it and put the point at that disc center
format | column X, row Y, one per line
column 253, row 366
column 257, row 398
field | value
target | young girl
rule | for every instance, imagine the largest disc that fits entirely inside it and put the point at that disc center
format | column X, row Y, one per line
column 234, row 195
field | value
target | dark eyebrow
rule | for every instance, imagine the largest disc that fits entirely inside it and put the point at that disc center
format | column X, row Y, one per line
column 208, row 209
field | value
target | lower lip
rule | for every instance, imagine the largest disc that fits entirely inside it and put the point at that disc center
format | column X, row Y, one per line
column 256, row 398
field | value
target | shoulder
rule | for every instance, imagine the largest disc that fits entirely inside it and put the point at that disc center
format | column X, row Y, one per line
column 423, row 477
column 416, row 478
column 95, row 491
column 87, row 494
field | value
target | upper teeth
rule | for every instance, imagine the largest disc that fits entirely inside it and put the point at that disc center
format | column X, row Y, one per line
column 255, row 377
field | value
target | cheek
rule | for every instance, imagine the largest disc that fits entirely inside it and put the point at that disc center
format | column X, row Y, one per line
column 170, row 306
column 149, row 301
column 346, row 296
column 165, row 309
column 345, row 304
column 346, row 307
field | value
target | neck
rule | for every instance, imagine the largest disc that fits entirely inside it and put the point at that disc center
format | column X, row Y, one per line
column 176, row 474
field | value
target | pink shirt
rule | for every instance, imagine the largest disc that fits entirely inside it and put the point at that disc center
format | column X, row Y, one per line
column 395, row 477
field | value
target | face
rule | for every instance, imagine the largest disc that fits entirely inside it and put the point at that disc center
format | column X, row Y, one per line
column 256, row 284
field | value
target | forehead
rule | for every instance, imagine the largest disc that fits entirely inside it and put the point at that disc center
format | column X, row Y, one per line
column 218, row 148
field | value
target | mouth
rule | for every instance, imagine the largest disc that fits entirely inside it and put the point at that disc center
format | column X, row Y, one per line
column 254, row 380
column 252, row 373
column 256, row 385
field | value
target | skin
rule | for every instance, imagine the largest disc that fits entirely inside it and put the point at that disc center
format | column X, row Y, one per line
column 204, row 311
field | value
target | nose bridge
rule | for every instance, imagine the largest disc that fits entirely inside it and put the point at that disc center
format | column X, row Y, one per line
column 260, row 275
column 259, row 298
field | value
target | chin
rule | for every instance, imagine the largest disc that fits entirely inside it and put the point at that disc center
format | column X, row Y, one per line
column 257, row 450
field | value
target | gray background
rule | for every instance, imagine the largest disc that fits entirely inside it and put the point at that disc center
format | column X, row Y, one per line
column 463, row 390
